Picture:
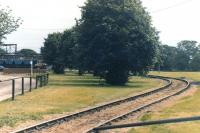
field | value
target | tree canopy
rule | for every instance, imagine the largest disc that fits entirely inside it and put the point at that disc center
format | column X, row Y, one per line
column 27, row 52
column 59, row 50
column 52, row 52
column 8, row 23
column 116, row 36
column 184, row 57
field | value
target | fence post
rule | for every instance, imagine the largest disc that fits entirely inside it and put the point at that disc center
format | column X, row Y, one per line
column 30, row 84
column 13, row 89
column 36, row 82
column 22, row 85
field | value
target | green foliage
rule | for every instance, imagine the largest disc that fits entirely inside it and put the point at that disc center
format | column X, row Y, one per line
column 111, row 39
column 186, row 51
column 60, row 50
column 8, row 23
column 116, row 76
column 167, row 54
column 116, row 37
column 195, row 62
column 52, row 52
column 184, row 57
column 69, row 42
column 27, row 52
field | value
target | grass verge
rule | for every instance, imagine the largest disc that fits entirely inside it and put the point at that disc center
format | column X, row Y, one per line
column 186, row 107
column 67, row 93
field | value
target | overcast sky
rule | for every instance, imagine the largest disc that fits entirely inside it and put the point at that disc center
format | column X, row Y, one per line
column 175, row 19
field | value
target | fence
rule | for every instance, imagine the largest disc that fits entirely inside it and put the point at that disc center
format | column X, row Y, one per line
column 21, row 85
column 148, row 123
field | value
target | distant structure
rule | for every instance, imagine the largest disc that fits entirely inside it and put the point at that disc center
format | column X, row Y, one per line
column 9, row 48
column 11, row 59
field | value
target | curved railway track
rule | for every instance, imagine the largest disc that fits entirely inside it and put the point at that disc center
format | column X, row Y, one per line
column 134, row 111
column 90, row 119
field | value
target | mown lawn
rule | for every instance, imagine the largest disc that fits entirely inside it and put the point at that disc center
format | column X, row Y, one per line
column 186, row 107
column 67, row 93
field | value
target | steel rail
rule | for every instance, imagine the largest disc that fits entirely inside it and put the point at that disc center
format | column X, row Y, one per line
column 125, row 115
column 50, row 123
column 150, row 123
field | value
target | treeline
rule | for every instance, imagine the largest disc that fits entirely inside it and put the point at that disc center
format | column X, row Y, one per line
column 184, row 57
column 112, row 39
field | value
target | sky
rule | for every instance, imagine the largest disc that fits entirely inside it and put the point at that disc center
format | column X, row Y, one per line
column 176, row 20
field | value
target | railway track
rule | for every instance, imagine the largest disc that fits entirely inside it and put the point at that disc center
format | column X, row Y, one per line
column 90, row 119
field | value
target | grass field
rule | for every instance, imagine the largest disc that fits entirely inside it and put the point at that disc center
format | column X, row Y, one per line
column 188, row 106
column 190, row 75
column 67, row 93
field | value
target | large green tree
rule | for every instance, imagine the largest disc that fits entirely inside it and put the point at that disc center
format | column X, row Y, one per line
column 116, row 36
column 51, row 52
column 8, row 23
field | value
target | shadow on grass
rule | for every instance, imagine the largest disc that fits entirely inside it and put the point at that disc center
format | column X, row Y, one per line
column 102, row 84
column 77, row 81
column 89, row 81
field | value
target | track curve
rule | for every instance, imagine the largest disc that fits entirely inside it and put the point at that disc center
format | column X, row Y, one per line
column 88, row 120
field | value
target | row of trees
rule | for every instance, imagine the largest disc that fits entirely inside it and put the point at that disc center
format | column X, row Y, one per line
column 112, row 39
column 184, row 57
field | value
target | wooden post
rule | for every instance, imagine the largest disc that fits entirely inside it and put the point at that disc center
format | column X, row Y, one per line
column 13, row 89
column 30, row 84
column 22, row 85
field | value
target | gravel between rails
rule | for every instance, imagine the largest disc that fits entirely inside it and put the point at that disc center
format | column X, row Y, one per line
column 82, row 124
